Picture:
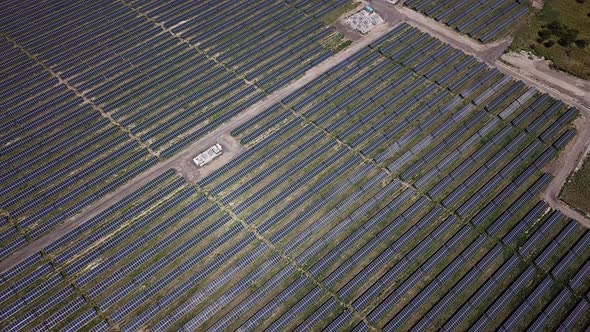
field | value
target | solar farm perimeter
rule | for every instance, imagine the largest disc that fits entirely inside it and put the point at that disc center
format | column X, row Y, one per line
column 397, row 190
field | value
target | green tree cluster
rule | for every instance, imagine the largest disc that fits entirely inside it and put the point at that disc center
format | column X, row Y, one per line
column 565, row 36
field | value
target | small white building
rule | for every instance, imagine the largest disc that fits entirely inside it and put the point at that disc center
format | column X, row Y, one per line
column 208, row 155
column 365, row 20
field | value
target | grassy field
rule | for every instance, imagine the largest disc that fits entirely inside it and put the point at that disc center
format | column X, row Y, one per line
column 577, row 190
column 539, row 35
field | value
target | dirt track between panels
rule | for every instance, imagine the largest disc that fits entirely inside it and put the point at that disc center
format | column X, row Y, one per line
column 182, row 161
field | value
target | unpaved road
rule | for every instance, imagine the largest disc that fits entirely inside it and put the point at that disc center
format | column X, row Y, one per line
column 571, row 90
column 538, row 69
column 573, row 153
column 182, row 161
column 568, row 161
column 488, row 53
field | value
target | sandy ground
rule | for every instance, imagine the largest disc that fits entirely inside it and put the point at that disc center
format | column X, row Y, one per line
column 538, row 4
column 569, row 160
column 182, row 161
column 347, row 31
column 538, row 69
column 488, row 53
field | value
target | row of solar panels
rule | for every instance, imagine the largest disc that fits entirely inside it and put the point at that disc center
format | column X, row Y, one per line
column 42, row 181
column 483, row 20
column 559, row 143
column 115, row 54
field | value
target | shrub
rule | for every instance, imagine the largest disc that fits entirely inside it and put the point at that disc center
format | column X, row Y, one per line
column 555, row 27
column 544, row 34
column 568, row 36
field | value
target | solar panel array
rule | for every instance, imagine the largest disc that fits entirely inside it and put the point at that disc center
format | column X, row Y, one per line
column 398, row 190
column 172, row 89
column 58, row 154
column 480, row 19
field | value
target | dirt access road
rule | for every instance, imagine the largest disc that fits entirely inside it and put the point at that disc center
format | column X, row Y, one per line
column 571, row 90
column 538, row 69
column 182, row 161
column 568, row 162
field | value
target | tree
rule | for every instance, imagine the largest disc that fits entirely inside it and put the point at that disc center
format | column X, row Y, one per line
column 555, row 27
column 581, row 43
column 567, row 37
column 544, row 34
